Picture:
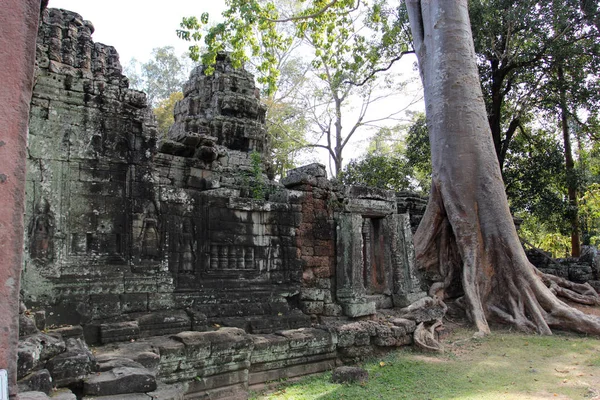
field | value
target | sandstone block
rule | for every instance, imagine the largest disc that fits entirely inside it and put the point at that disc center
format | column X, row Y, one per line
column 119, row 381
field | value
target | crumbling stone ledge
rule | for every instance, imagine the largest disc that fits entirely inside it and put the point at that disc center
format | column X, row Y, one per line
column 217, row 364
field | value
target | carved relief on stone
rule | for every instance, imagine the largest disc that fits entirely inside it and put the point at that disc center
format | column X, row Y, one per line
column 149, row 238
column 41, row 233
column 187, row 247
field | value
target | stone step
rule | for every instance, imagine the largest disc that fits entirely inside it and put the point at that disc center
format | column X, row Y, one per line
column 120, row 381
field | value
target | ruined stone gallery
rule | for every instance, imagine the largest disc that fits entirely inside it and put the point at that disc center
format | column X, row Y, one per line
column 191, row 270
column 175, row 267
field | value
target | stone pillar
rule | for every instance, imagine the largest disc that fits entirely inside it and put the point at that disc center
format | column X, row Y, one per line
column 349, row 269
column 407, row 284
column 18, row 32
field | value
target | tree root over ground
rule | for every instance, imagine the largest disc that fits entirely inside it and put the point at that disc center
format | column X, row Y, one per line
column 470, row 251
column 425, row 338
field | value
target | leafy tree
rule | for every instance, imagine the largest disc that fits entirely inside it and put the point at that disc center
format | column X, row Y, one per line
column 164, row 112
column 418, row 152
column 514, row 48
column 164, row 74
column 590, row 214
column 535, row 178
column 528, row 55
column 384, row 171
column 393, row 163
column 287, row 118
column 251, row 29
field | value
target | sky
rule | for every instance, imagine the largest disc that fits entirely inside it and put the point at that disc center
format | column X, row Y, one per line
column 135, row 27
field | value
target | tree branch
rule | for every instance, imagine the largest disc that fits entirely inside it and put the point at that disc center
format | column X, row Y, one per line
column 372, row 74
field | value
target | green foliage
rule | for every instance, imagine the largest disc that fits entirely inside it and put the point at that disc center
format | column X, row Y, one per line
column 589, row 213
column 378, row 170
column 287, row 121
column 249, row 29
column 286, row 127
column 543, row 235
column 254, row 180
column 418, row 152
column 347, row 40
column 164, row 112
column 392, row 164
column 535, row 179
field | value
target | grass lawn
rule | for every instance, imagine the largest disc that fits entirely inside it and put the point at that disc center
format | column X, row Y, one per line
column 503, row 365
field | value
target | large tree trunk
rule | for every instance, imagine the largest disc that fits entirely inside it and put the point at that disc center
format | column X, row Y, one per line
column 467, row 242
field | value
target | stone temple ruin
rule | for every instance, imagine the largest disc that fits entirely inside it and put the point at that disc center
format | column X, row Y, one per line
column 194, row 274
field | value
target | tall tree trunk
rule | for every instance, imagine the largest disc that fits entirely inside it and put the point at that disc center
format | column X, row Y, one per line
column 495, row 112
column 338, row 136
column 570, row 168
column 467, row 242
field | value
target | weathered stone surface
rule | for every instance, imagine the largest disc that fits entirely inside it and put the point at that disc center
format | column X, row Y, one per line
column 38, row 381
column 298, row 178
column 73, row 365
column 168, row 392
column 63, row 394
column 129, row 396
column 424, row 310
column 347, row 374
column 315, row 169
column 35, row 350
column 119, row 331
column 150, row 248
column 163, row 323
column 70, row 331
column 359, row 309
column 107, row 365
column 579, row 270
column 118, row 381
column 355, row 353
column 27, row 325
column 407, row 324
column 33, row 395
column 292, row 371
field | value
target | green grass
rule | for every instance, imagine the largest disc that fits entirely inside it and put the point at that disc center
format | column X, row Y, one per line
column 500, row 366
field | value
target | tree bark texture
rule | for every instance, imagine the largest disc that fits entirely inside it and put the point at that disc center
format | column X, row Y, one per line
column 467, row 243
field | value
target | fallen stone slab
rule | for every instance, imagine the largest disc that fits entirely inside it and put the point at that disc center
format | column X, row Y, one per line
column 32, row 396
column 35, row 350
column 119, row 331
column 73, row 365
column 118, row 362
column 121, row 380
column 168, row 392
column 131, row 396
column 349, row 375
column 38, row 381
